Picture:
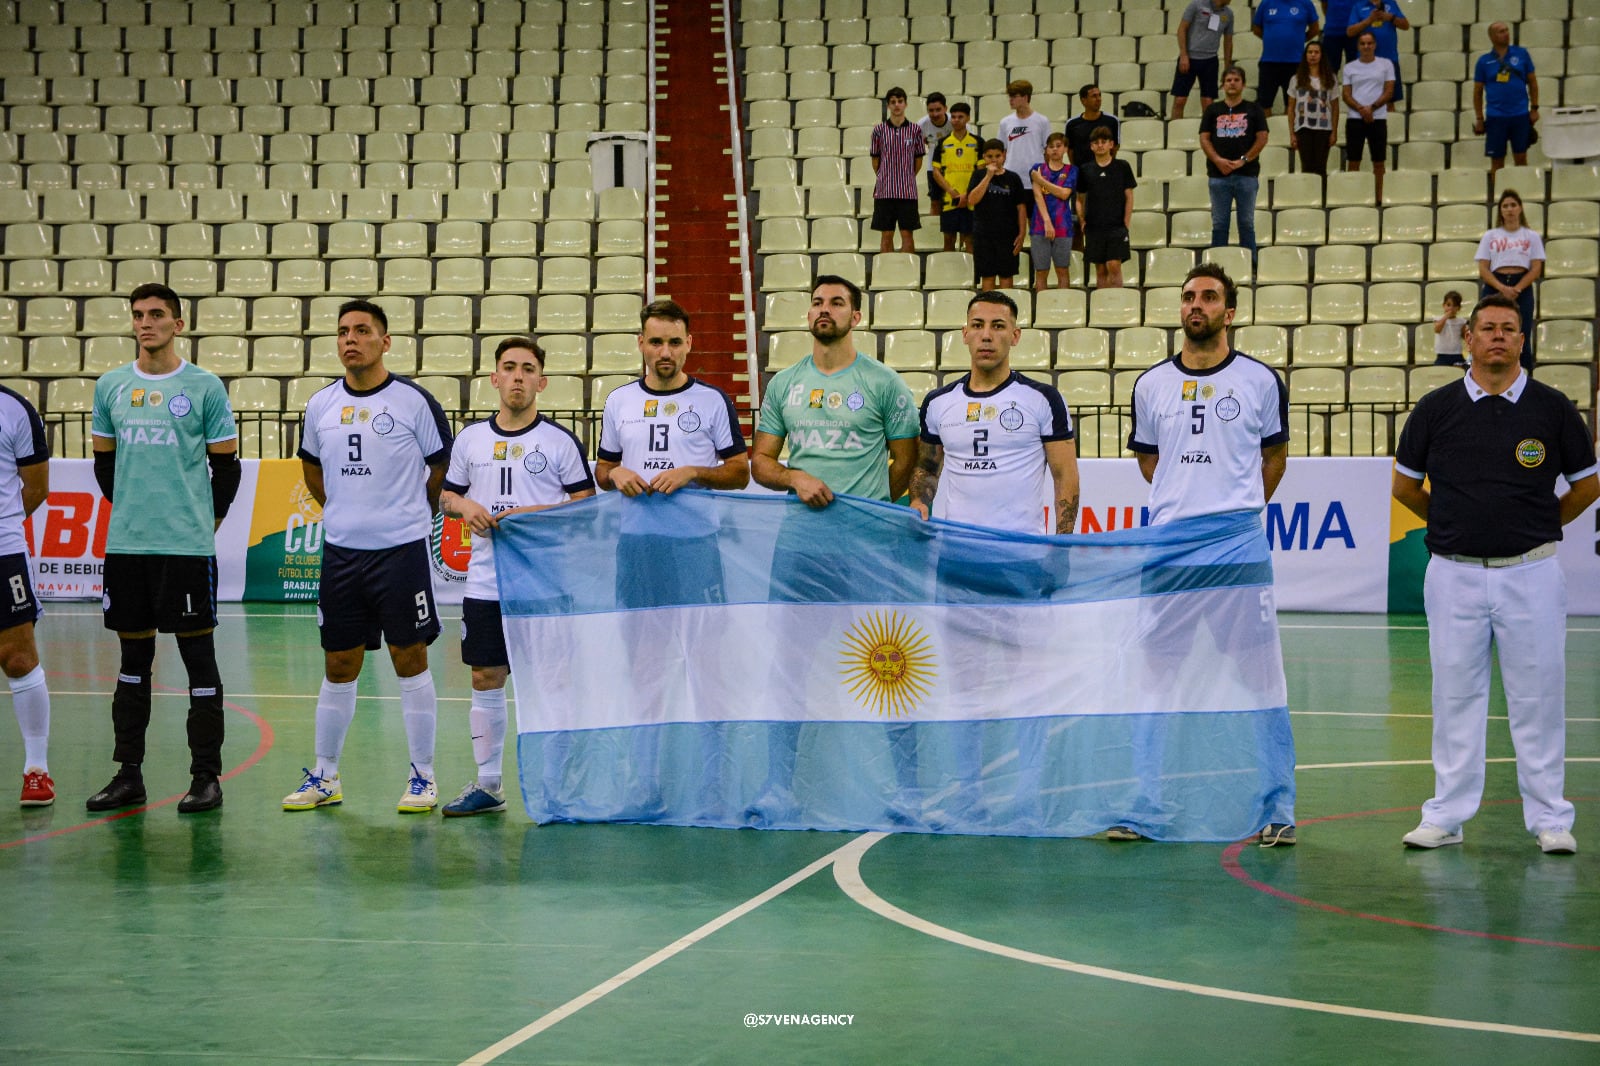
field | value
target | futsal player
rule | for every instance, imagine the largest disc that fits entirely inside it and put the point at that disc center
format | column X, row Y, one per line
column 24, row 484
column 514, row 462
column 659, row 434
column 158, row 422
column 373, row 453
column 1211, row 434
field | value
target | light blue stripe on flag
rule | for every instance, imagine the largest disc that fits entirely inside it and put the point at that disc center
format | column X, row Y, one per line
column 857, row 668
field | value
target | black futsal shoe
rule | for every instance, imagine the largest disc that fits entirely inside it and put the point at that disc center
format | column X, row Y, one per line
column 125, row 790
column 205, row 794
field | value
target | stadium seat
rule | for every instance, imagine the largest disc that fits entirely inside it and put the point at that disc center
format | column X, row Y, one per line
column 1421, row 380
column 1085, row 388
column 1567, row 298
column 893, row 310
column 1397, row 262
column 1565, row 341
column 1383, row 344
column 1339, row 262
column 1378, row 385
column 1320, row 344
column 1283, row 305
column 223, row 356
column 1317, row 386
column 1268, row 343
column 1573, row 381
column 1138, row 347
column 1083, row 348
column 1109, row 308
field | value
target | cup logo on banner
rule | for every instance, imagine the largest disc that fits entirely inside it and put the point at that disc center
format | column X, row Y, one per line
column 283, row 555
column 887, row 663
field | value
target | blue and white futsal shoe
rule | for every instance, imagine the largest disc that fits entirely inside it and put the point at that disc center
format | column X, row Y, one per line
column 420, row 795
column 475, row 800
column 315, row 791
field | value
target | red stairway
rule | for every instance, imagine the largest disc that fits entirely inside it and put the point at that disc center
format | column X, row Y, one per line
column 697, row 213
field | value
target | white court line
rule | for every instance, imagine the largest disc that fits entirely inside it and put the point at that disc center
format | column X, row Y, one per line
column 606, row 987
column 847, row 872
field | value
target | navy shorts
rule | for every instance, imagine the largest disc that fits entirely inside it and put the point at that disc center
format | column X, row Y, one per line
column 21, row 602
column 369, row 597
column 1516, row 130
column 483, row 639
column 1202, row 70
column 1272, row 79
column 168, row 593
column 695, row 576
column 956, row 220
column 994, row 257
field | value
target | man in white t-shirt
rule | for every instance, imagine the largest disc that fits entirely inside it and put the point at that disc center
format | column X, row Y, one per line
column 1368, row 87
column 1023, row 132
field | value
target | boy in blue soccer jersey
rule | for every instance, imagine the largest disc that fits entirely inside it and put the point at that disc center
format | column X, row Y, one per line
column 158, row 423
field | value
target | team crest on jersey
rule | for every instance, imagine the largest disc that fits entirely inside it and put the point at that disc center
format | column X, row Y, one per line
column 855, row 401
column 835, row 401
column 154, row 398
column 383, row 424
column 816, row 398
column 989, row 412
column 1228, row 408
column 650, row 408
column 1189, row 390
column 347, row 415
column 137, row 399
column 362, row 415
column 535, row 461
column 1011, row 418
column 1530, row 452
column 1207, row 391
column 499, row 449
column 180, row 406
column 669, row 408
column 974, row 411
column 689, row 421
column 516, row 451
column 449, row 550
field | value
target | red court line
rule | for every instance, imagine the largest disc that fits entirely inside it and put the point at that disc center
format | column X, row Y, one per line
column 1230, row 863
column 263, row 746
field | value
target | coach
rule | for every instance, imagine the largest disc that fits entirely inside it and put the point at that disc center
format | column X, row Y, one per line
column 1491, row 448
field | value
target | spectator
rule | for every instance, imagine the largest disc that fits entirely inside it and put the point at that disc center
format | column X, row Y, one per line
column 1369, row 85
column 1339, row 48
column 1079, row 130
column 1447, row 332
column 1024, row 131
column 1105, row 206
column 1505, row 75
column 1206, row 27
column 999, row 205
column 1233, row 133
column 1385, row 19
column 897, row 151
column 1510, row 260
column 935, row 128
column 1314, row 109
column 1284, row 27
column 954, row 160
column 1050, row 238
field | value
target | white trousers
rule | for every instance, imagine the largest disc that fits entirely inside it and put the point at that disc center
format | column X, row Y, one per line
column 1521, row 611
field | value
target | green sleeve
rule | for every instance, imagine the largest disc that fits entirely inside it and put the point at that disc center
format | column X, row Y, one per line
column 900, row 416
column 219, row 415
column 772, row 411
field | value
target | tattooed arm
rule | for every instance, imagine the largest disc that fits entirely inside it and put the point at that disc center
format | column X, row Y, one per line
column 925, row 478
column 1062, row 458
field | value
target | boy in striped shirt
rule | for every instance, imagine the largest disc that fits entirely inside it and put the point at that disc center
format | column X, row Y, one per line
column 897, row 150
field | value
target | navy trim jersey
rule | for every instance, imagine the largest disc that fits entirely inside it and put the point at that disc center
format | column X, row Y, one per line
column 163, row 425
column 538, row 465
column 1209, row 427
column 22, row 444
column 649, row 431
column 1491, row 464
column 995, row 473
column 374, row 447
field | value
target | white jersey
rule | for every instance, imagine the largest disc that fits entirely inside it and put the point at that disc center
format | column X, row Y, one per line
column 540, row 464
column 995, row 472
column 22, row 444
column 648, row 431
column 374, row 448
column 1209, row 427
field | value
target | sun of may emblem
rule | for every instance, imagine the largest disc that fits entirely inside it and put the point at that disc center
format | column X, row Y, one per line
column 888, row 663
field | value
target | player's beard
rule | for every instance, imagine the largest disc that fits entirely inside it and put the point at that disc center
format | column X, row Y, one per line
column 826, row 330
column 1204, row 332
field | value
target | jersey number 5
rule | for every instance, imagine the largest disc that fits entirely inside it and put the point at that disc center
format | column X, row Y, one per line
column 1197, row 418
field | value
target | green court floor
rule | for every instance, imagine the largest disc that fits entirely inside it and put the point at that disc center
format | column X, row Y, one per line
column 359, row 935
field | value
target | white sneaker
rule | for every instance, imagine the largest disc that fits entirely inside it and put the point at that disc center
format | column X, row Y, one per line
column 1557, row 842
column 315, row 791
column 1428, row 835
column 420, row 795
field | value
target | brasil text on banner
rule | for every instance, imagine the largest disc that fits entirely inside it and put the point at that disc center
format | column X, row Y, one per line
column 727, row 659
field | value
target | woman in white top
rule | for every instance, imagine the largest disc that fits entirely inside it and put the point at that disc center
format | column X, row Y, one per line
column 1314, row 99
column 1510, row 260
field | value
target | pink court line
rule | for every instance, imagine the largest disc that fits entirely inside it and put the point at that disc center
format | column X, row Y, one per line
column 263, row 746
column 1230, row 863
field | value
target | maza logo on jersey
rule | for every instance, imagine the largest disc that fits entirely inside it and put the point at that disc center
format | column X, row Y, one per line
column 499, row 449
column 974, row 411
column 1530, row 452
column 137, row 399
column 347, row 416
column 650, row 408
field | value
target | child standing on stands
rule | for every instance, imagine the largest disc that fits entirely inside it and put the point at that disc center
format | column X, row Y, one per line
column 999, row 218
column 1054, row 183
column 1105, row 206
column 1447, row 332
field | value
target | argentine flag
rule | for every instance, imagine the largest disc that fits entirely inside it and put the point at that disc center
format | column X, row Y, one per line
column 734, row 659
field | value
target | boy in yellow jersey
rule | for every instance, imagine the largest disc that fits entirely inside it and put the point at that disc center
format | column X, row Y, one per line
column 954, row 160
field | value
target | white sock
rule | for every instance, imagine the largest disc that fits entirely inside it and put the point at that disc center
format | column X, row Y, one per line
column 420, row 705
column 336, row 709
column 31, row 700
column 488, row 720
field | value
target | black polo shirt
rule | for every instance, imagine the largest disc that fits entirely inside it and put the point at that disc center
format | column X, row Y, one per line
column 1491, row 464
